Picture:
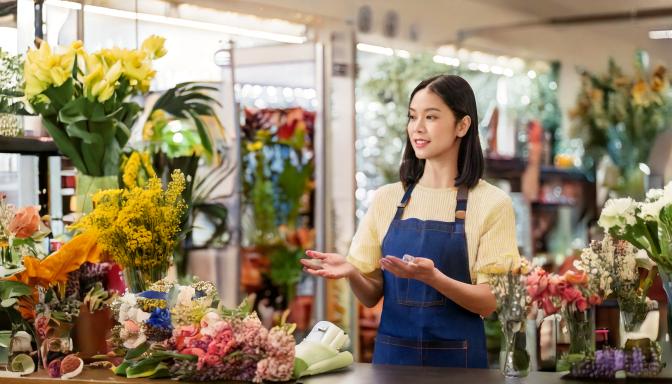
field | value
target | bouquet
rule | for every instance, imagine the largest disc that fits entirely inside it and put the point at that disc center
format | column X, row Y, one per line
column 611, row 363
column 21, row 232
column 647, row 225
column 84, row 98
column 513, row 305
column 618, row 115
column 138, row 227
column 181, row 332
column 614, row 266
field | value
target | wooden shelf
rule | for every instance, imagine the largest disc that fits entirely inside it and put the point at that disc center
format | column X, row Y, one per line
column 28, row 146
column 513, row 168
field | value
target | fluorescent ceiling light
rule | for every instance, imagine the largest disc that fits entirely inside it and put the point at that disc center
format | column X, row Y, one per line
column 377, row 49
column 454, row 61
column 662, row 34
column 279, row 37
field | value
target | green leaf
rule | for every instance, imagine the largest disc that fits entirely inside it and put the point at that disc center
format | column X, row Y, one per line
column 137, row 351
column 65, row 145
column 149, row 367
column 92, row 147
column 203, row 133
column 60, row 96
column 75, row 111
column 11, row 289
column 8, row 302
column 121, row 369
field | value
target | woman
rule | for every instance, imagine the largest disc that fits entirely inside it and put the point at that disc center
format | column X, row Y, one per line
column 423, row 239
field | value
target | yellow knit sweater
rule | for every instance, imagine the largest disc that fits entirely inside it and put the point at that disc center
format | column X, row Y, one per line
column 489, row 224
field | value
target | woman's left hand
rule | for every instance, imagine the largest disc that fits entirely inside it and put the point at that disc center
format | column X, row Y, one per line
column 419, row 268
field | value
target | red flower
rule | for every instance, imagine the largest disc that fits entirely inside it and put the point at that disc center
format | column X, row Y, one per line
column 581, row 304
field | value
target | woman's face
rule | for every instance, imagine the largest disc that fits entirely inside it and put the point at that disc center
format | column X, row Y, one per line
column 432, row 128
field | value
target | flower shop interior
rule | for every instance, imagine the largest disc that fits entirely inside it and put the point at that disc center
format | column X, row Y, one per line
column 166, row 164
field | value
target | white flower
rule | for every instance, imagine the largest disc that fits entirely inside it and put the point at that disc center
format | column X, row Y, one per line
column 618, row 213
column 185, row 295
column 211, row 324
column 653, row 195
column 129, row 310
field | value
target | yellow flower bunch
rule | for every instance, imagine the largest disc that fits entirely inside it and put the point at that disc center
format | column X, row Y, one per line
column 98, row 72
column 44, row 67
column 137, row 169
column 138, row 226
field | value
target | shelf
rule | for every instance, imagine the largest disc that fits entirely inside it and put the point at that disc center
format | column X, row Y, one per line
column 28, row 145
column 513, row 168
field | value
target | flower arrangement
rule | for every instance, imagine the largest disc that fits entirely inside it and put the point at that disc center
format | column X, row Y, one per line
column 618, row 115
column 647, row 225
column 509, row 285
column 21, row 232
column 138, row 227
column 84, row 98
column 181, row 332
column 611, row 363
column 39, row 295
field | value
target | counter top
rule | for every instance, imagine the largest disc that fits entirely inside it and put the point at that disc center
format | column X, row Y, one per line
column 358, row 373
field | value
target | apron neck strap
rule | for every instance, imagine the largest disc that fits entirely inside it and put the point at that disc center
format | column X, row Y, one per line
column 404, row 202
column 461, row 206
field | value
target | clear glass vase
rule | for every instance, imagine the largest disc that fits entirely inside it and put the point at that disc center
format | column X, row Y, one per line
column 138, row 280
column 666, row 278
column 87, row 186
column 639, row 322
column 514, row 360
column 579, row 327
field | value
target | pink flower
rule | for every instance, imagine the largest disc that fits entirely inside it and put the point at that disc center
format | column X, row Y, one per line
column 193, row 351
column 548, row 307
column 25, row 222
column 537, row 283
column 556, row 284
column 42, row 325
column 594, row 299
column 581, row 304
column 571, row 295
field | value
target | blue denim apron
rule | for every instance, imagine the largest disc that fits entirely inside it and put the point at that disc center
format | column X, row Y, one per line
column 419, row 325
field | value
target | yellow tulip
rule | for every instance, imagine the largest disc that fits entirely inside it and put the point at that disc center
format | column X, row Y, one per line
column 44, row 68
column 153, row 45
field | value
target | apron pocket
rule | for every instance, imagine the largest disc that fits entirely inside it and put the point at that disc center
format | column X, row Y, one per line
column 449, row 353
column 414, row 293
column 444, row 353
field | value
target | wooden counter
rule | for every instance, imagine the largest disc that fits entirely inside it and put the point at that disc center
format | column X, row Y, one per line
column 356, row 374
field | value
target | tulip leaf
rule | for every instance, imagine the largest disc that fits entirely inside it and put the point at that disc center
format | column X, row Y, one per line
column 65, row 144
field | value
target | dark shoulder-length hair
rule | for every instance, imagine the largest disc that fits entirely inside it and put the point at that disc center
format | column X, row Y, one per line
column 459, row 97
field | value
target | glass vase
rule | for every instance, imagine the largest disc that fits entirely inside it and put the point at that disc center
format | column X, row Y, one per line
column 639, row 322
column 138, row 280
column 666, row 278
column 579, row 327
column 87, row 186
column 514, row 361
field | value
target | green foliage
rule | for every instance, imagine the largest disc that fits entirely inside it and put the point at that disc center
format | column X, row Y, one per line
column 11, row 79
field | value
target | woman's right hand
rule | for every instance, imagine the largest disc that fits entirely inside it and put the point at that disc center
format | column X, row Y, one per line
column 329, row 265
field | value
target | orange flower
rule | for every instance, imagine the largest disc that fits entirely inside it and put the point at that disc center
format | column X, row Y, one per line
column 25, row 222
column 573, row 277
column 639, row 91
column 55, row 267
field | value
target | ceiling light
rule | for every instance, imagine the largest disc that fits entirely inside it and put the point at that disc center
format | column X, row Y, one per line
column 377, row 49
column 662, row 34
column 173, row 21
